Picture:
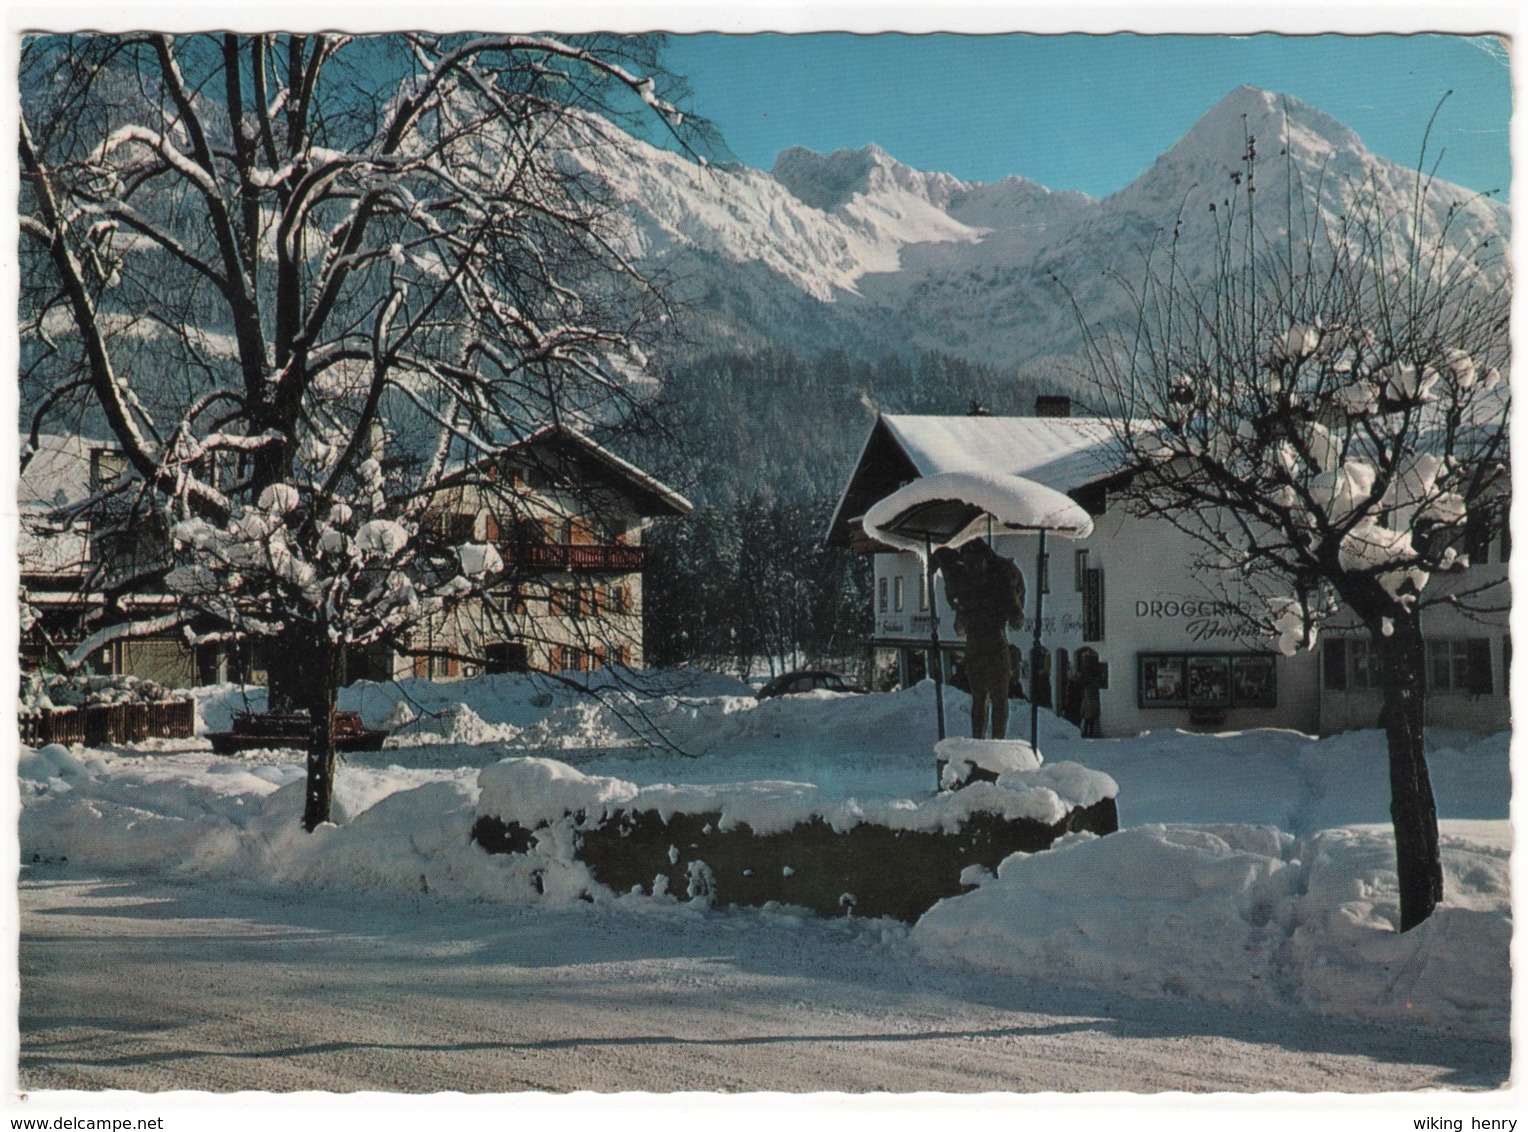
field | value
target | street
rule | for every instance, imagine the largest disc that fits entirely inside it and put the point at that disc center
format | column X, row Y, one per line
column 146, row 985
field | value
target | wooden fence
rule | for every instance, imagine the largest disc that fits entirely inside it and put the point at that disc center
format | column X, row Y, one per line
column 110, row 723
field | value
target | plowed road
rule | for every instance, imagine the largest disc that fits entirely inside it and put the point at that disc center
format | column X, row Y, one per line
column 148, row 986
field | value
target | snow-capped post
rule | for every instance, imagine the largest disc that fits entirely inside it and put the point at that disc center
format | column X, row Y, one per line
column 936, row 661
column 1322, row 405
column 1036, row 648
column 314, row 320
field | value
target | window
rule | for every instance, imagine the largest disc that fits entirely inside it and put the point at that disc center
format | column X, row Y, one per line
column 1161, row 683
column 107, row 465
column 1459, row 666
column 1093, row 605
column 898, row 597
column 1079, row 568
column 881, row 590
column 1363, row 665
column 1478, row 536
column 1254, row 681
column 1349, row 664
column 1206, row 680
column 1045, row 573
column 923, row 593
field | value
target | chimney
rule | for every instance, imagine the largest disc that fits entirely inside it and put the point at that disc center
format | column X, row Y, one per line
column 1053, row 406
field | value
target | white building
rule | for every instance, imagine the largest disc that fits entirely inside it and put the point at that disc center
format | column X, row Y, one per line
column 1172, row 646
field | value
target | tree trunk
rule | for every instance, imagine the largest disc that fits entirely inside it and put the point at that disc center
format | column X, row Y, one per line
column 1413, row 812
column 303, row 678
column 323, row 671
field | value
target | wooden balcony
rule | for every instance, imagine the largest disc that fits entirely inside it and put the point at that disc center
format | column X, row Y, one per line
column 574, row 558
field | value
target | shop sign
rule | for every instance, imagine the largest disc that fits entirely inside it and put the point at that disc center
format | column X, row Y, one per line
column 1202, row 619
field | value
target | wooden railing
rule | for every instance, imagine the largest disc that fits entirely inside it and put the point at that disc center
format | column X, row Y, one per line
column 570, row 556
column 109, row 723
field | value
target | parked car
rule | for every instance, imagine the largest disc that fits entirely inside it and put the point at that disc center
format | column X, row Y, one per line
column 813, row 680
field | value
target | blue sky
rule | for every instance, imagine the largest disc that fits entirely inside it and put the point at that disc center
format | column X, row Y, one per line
column 1088, row 112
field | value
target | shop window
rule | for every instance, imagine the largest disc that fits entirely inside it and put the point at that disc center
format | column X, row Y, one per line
column 1207, row 680
column 1254, row 681
column 1162, row 681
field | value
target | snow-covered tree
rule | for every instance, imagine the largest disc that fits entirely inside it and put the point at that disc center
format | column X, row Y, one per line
column 1325, row 409
column 309, row 283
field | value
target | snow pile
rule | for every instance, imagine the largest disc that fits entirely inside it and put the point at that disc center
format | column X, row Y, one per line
column 963, row 757
column 1244, row 916
column 533, row 792
column 40, row 692
column 530, row 791
column 1270, row 882
column 53, row 768
column 454, row 723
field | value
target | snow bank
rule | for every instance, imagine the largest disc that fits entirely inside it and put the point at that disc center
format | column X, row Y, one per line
column 454, row 723
column 536, row 791
column 1268, row 879
column 1244, row 916
column 962, row 758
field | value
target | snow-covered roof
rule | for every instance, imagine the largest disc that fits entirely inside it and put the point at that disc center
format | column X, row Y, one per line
column 656, row 495
column 1060, row 452
column 1063, row 453
column 58, row 474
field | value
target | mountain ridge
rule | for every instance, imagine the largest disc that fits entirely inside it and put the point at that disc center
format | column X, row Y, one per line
column 852, row 247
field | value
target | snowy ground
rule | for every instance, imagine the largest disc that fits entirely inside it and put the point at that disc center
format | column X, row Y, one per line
column 1237, row 934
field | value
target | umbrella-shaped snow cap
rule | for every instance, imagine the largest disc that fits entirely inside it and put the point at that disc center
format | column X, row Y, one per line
column 941, row 509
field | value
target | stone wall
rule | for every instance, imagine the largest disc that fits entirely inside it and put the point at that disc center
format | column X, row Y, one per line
column 867, row 870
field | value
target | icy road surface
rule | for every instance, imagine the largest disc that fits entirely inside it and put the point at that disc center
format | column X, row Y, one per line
column 142, row 984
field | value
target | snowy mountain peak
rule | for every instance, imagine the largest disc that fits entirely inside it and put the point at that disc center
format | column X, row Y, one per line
column 830, row 181
column 1274, row 121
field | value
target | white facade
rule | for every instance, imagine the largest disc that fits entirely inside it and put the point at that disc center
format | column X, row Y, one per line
column 1173, row 650
column 1158, row 626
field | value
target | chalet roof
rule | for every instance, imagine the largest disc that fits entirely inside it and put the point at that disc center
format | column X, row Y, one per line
column 650, row 494
column 58, row 473
column 1064, row 453
column 653, row 496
